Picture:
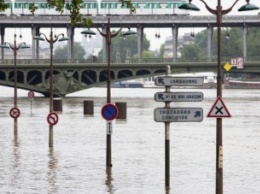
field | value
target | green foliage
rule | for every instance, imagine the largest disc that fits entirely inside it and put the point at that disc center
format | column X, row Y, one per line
column 32, row 8
column 128, row 4
column 73, row 7
column 230, row 47
column 121, row 44
column 191, row 52
column 3, row 5
column 62, row 52
column 253, row 42
column 161, row 54
column 145, row 54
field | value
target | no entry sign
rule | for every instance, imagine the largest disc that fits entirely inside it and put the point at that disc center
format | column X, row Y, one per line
column 52, row 118
column 109, row 112
column 14, row 112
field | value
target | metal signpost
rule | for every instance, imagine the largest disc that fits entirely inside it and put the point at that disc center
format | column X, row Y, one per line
column 31, row 97
column 181, row 114
column 109, row 112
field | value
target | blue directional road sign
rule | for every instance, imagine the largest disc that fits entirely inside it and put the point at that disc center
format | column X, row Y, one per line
column 178, row 114
column 178, row 81
column 109, row 112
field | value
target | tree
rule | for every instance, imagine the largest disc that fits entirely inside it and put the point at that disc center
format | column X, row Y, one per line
column 191, row 52
column 145, row 54
column 62, row 52
column 253, row 42
column 121, row 45
column 74, row 9
column 231, row 45
column 161, row 54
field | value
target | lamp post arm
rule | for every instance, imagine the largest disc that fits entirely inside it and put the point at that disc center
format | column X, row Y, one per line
column 214, row 12
column 112, row 35
column 57, row 37
column 226, row 11
column 116, row 33
column 44, row 37
column 223, row 12
column 101, row 33
column 20, row 45
column 10, row 45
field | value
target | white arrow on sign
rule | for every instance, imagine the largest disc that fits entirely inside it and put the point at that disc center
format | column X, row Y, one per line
column 178, row 114
column 178, row 81
column 178, row 96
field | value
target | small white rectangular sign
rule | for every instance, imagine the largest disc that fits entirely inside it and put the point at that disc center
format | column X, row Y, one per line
column 109, row 128
column 178, row 81
column 178, row 96
column 178, row 114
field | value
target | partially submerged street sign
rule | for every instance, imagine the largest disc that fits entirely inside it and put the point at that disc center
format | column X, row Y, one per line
column 178, row 96
column 178, row 114
column 178, row 81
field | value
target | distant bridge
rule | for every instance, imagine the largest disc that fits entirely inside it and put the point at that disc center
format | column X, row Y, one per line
column 140, row 22
column 75, row 75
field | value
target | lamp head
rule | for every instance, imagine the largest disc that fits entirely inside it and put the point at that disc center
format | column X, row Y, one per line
column 39, row 38
column 88, row 32
column 129, row 32
column 189, row 6
column 4, row 46
column 248, row 7
column 63, row 39
column 227, row 36
column 24, row 46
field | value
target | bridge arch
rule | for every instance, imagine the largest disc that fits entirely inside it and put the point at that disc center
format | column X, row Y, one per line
column 104, row 75
column 159, row 71
column 143, row 72
column 47, row 74
column 89, row 77
column 125, row 73
column 34, row 77
column 2, row 76
column 20, row 76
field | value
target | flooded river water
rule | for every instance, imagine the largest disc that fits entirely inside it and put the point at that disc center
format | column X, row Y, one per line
column 77, row 162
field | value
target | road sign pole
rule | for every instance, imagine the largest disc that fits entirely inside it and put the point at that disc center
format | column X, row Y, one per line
column 167, row 140
column 167, row 148
column 109, row 112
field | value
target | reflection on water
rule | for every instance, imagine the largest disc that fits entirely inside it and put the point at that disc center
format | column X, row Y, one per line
column 76, row 164
column 16, row 162
column 167, row 190
column 52, row 174
column 109, row 181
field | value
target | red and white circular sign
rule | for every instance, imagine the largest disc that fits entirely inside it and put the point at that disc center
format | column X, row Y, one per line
column 52, row 118
column 31, row 94
column 14, row 112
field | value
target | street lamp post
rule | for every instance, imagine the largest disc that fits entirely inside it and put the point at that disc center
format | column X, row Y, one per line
column 15, row 48
column 108, row 36
column 51, row 40
column 219, row 12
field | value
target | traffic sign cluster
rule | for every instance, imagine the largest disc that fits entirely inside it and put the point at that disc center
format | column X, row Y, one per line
column 181, row 114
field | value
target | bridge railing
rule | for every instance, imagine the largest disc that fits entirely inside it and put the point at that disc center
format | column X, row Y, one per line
column 119, row 61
